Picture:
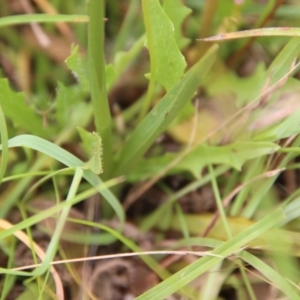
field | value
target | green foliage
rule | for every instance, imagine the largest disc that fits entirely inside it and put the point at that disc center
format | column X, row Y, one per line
column 238, row 135
column 164, row 113
column 192, row 271
column 67, row 159
column 4, row 143
column 234, row 155
column 95, row 148
column 177, row 12
column 15, row 107
column 167, row 62
column 79, row 67
column 41, row 18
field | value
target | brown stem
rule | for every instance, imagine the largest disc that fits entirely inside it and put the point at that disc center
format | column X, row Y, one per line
column 240, row 53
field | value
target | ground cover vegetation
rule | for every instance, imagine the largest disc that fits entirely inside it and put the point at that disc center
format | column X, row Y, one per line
column 149, row 149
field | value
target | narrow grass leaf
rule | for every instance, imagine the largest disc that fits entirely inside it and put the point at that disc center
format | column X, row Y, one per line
column 54, row 210
column 149, row 260
column 69, row 160
column 276, row 240
column 292, row 211
column 281, row 65
column 167, row 62
column 189, row 273
column 234, row 155
column 273, row 31
column 4, row 142
column 41, row 18
column 159, row 118
column 280, row 282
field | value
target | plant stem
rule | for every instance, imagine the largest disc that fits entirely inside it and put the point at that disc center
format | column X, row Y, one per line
column 207, row 18
column 96, row 65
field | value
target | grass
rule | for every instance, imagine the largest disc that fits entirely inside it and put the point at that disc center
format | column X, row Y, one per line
column 158, row 157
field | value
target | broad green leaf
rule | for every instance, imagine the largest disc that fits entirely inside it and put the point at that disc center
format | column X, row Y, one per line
column 110, row 76
column 15, row 107
column 78, row 65
column 123, row 59
column 249, row 89
column 41, row 18
column 200, row 266
column 86, row 138
column 246, row 89
column 93, row 143
column 69, row 160
column 167, row 62
column 159, row 118
column 65, row 100
column 233, row 155
column 71, row 110
column 177, row 12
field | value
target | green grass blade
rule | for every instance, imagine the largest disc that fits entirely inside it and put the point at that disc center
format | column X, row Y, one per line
column 69, row 160
column 272, row 31
column 4, row 142
column 52, row 247
column 96, row 65
column 164, row 113
column 280, row 282
column 281, row 65
column 42, row 18
column 189, row 273
column 54, row 210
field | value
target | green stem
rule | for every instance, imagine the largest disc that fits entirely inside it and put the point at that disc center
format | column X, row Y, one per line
column 219, row 201
column 52, row 247
column 96, row 65
column 227, row 228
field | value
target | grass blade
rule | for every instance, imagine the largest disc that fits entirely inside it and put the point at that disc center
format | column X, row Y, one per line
column 280, row 282
column 4, row 142
column 164, row 113
column 189, row 273
column 42, row 18
column 69, row 160
column 272, row 31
